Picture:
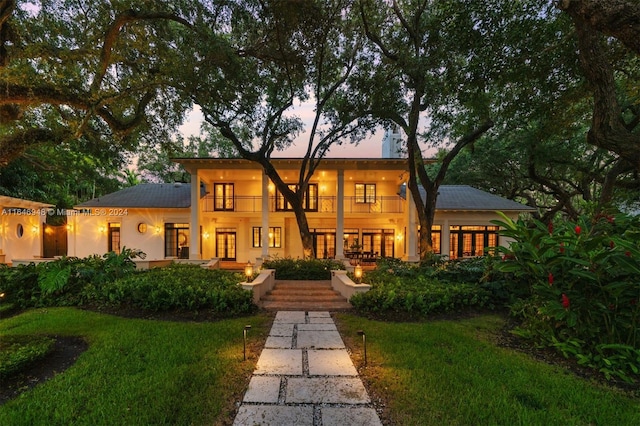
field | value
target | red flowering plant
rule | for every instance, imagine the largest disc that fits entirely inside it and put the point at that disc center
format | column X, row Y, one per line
column 571, row 274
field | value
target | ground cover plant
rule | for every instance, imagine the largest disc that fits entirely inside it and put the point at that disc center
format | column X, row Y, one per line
column 400, row 288
column 302, row 269
column 18, row 352
column 454, row 373
column 580, row 288
column 176, row 287
column 111, row 280
column 137, row 371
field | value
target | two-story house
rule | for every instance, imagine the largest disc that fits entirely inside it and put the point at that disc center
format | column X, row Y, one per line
column 356, row 208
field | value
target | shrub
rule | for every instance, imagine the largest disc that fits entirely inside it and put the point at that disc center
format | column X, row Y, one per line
column 60, row 282
column 580, row 288
column 407, row 289
column 18, row 352
column 302, row 269
column 176, row 287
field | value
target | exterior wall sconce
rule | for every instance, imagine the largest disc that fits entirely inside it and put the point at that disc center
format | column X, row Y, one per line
column 399, row 237
column 102, row 229
column 158, row 230
column 244, row 339
column 205, row 235
column 34, row 229
column 248, row 270
column 69, row 227
column 357, row 272
column 364, row 344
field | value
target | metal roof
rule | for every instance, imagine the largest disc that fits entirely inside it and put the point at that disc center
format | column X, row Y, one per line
column 467, row 198
column 148, row 195
column 178, row 195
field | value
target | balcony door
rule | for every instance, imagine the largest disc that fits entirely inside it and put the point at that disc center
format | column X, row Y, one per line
column 226, row 244
column 324, row 242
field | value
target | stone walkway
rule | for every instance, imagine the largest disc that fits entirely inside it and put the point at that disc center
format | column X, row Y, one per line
column 305, row 376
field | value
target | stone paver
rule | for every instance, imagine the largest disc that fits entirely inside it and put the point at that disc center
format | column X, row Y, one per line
column 278, row 342
column 317, row 327
column 341, row 416
column 282, row 330
column 319, row 314
column 263, row 389
column 279, row 361
column 290, row 317
column 320, row 339
column 326, row 390
column 274, row 415
column 330, row 363
column 304, row 376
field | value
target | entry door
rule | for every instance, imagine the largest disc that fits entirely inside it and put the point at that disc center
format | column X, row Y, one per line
column 325, row 245
column 226, row 245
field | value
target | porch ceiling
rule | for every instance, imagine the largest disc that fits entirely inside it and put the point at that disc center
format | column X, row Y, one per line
column 356, row 170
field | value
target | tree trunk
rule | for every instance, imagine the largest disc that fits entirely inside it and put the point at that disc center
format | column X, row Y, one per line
column 295, row 198
column 617, row 18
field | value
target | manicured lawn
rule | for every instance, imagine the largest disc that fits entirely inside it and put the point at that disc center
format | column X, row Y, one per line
column 138, row 372
column 450, row 373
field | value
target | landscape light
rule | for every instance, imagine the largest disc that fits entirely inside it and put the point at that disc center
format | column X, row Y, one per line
column 364, row 344
column 357, row 272
column 248, row 270
column 244, row 346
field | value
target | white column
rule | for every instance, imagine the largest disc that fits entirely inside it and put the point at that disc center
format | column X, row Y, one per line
column 194, row 224
column 445, row 239
column 412, row 230
column 265, row 215
column 340, row 218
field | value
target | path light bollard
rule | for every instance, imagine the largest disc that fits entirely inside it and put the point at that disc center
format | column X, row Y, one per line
column 364, row 344
column 248, row 271
column 244, row 346
column 357, row 273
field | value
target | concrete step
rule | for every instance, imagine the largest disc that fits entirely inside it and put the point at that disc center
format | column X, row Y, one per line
column 304, row 295
column 305, row 306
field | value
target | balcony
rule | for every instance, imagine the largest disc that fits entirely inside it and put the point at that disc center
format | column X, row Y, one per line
column 327, row 204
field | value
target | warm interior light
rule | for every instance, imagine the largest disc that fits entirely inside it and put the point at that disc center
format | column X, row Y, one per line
column 248, row 270
column 357, row 272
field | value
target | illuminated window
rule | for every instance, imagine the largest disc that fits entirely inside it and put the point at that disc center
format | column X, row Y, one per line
column 114, row 237
column 223, row 196
column 365, row 193
column 467, row 241
column 275, row 237
column 310, row 199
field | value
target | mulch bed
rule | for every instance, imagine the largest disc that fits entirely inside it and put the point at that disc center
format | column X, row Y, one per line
column 65, row 353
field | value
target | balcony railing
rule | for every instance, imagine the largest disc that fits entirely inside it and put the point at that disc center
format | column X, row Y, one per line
column 327, row 204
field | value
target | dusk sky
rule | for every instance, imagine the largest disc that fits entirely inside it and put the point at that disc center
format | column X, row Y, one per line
column 369, row 148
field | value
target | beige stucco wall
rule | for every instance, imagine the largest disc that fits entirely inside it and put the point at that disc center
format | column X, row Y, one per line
column 27, row 246
column 87, row 234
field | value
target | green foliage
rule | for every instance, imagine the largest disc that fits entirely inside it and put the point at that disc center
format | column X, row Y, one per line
column 303, row 269
column 444, row 372
column 402, row 288
column 18, row 352
column 138, row 372
column 579, row 282
column 61, row 282
column 176, row 287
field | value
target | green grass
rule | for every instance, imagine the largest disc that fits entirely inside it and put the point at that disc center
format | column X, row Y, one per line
column 137, row 372
column 450, row 372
